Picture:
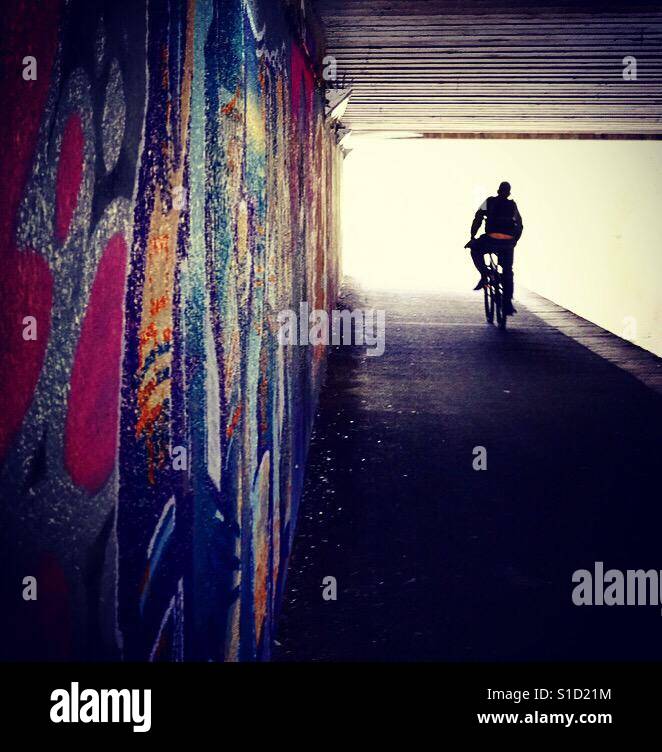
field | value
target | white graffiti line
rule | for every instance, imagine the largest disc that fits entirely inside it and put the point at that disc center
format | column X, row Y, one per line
column 159, row 525
column 259, row 35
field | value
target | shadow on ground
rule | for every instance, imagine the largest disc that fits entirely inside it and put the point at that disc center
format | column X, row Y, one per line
column 437, row 561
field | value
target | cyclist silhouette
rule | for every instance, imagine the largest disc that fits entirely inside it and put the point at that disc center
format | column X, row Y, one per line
column 503, row 228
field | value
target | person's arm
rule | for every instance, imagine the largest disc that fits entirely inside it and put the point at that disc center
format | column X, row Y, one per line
column 478, row 219
column 519, row 224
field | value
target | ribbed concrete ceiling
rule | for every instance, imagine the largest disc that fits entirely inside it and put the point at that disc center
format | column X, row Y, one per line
column 484, row 67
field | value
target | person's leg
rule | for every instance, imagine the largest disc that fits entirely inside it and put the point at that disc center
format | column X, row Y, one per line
column 506, row 256
column 478, row 257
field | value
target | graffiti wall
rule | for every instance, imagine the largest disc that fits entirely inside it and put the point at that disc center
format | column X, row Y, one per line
column 170, row 185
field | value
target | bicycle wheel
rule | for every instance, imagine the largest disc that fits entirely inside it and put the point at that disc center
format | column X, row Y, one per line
column 500, row 315
column 489, row 302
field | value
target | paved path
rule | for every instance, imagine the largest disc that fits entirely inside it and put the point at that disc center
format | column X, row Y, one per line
column 437, row 561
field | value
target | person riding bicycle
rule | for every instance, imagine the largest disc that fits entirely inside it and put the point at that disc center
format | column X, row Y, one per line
column 503, row 228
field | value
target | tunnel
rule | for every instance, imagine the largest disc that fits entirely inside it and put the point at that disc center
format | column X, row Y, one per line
column 251, row 408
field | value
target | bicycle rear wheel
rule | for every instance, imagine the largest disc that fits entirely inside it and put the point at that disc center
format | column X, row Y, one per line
column 500, row 314
column 489, row 302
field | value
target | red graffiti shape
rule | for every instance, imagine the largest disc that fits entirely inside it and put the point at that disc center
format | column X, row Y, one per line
column 90, row 438
column 69, row 176
column 26, row 290
column 28, row 29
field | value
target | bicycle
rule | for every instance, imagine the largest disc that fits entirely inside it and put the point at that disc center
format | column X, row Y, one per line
column 493, row 293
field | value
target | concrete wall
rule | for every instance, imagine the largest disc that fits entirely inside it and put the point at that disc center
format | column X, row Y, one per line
column 593, row 243
column 170, row 185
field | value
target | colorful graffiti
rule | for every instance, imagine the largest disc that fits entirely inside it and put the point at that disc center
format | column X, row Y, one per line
column 173, row 186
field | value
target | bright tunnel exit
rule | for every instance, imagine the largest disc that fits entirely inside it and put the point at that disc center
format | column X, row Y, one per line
column 590, row 207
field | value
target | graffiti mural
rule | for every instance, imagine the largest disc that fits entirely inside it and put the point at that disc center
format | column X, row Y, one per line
column 173, row 185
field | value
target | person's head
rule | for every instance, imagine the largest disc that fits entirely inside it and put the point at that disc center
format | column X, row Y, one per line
column 504, row 189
